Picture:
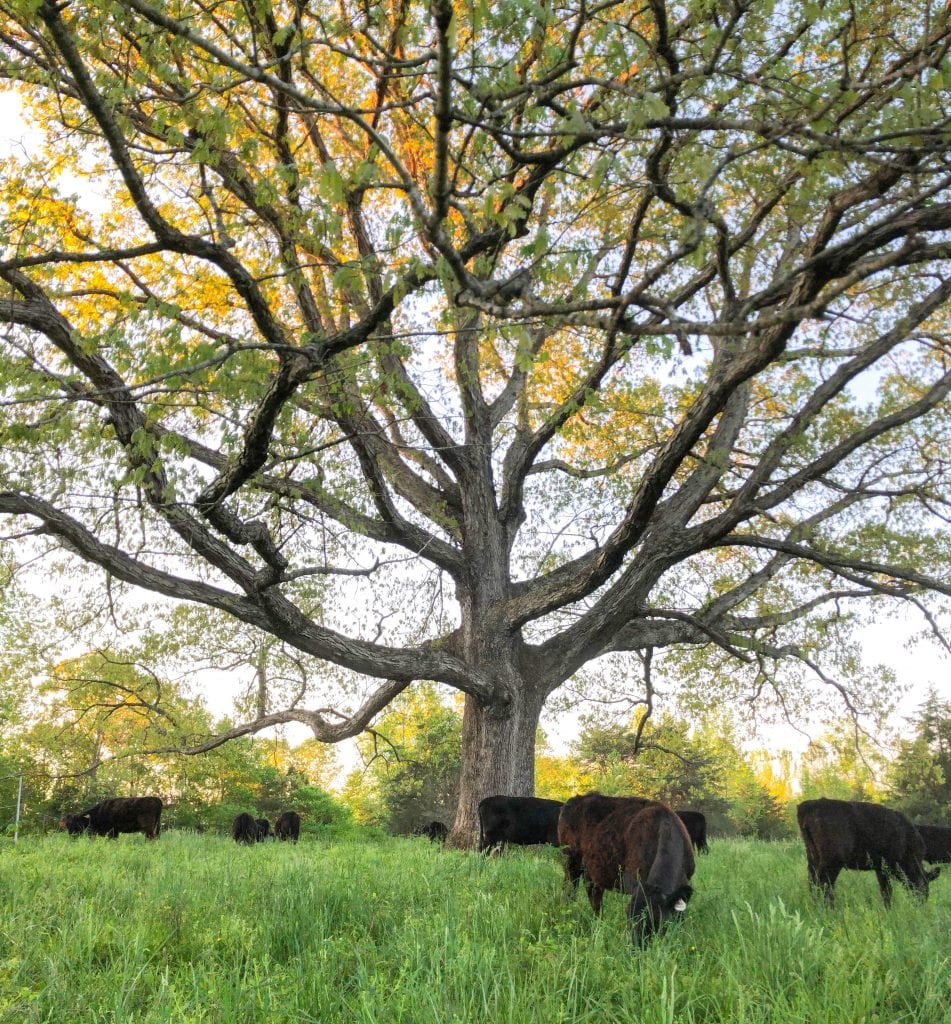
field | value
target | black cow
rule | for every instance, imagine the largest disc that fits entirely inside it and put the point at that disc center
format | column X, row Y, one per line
column 581, row 813
column 244, row 829
column 287, row 826
column 264, row 828
column 644, row 851
column 118, row 814
column 520, row 820
column 861, row 837
column 434, row 831
column 937, row 840
column 696, row 825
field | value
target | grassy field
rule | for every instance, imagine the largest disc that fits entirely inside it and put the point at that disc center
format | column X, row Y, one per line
column 194, row 928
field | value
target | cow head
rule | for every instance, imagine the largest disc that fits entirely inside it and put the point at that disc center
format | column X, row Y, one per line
column 75, row 824
column 650, row 909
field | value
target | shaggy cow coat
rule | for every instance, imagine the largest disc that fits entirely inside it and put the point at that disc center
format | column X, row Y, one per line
column 580, row 814
column 645, row 852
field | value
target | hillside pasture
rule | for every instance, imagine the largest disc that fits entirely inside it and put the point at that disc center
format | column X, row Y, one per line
column 197, row 929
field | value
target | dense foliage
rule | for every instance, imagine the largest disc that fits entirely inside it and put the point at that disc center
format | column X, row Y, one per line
column 920, row 775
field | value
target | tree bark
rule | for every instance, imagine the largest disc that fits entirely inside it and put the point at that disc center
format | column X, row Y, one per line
column 498, row 755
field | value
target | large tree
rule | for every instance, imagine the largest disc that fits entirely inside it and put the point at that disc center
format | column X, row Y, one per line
column 472, row 342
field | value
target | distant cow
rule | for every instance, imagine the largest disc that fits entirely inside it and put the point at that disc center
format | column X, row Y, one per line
column 244, row 829
column 696, row 825
column 434, row 831
column 861, row 837
column 646, row 852
column 264, row 828
column 118, row 814
column 519, row 820
column 581, row 813
column 937, row 840
column 287, row 826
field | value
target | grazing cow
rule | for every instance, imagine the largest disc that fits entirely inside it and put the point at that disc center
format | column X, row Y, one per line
column 646, row 852
column 861, row 837
column 435, row 831
column 118, row 814
column 581, row 813
column 696, row 825
column 520, row 820
column 287, row 826
column 264, row 828
column 937, row 840
column 244, row 829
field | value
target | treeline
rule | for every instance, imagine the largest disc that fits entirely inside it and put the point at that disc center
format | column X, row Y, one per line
column 703, row 764
column 93, row 728
column 84, row 735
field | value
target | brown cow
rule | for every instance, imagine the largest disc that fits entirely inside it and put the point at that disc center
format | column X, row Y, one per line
column 861, row 837
column 118, row 814
column 581, row 813
column 646, row 852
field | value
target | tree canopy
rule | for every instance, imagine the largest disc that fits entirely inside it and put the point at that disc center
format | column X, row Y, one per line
column 473, row 342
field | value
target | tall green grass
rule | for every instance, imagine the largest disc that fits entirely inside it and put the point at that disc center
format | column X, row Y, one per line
column 196, row 929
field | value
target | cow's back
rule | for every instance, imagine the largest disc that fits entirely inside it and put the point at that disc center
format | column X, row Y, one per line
column 126, row 814
column 582, row 813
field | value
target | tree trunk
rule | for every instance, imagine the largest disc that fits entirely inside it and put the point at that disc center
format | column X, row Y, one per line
column 498, row 756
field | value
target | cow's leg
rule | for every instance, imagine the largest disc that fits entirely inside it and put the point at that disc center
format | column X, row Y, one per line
column 826, row 877
column 595, row 895
column 573, row 869
column 883, row 875
column 915, row 878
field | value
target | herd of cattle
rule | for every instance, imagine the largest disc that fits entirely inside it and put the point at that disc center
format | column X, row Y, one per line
column 644, row 849
column 143, row 814
column 627, row 844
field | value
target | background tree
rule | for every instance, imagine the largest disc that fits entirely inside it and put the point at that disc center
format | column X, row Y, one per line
column 693, row 765
column 842, row 763
column 475, row 342
column 411, row 763
column 920, row 774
